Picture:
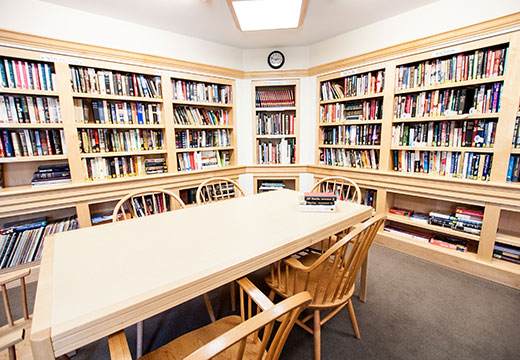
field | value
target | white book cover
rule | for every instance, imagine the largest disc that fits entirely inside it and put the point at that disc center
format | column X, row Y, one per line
column 32, row 114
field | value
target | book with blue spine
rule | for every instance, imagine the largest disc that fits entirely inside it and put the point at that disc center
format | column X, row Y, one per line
column 510, row 168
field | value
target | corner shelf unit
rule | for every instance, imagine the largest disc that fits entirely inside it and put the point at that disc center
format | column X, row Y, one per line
column 276, row 122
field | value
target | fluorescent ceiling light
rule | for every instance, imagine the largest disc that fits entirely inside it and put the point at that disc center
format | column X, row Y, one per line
column 251, row 15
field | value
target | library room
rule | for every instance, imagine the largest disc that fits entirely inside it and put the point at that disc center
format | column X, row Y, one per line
column 259, row 179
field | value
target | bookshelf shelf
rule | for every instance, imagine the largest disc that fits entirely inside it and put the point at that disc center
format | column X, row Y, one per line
column 203, row 127
column 31, row 126
column 10, row 91
column 116, row 97
column 433, row 228
column 351, row 122
column 508, row 239
column 23, row 159
column 123, row 153
column 209, row 148
column 275, row 122
column 515, row 151
column 119, row 126
column 449, row 118
column 352, row 98
column 450, row 85
column 202, row 104
column 326, row 146
column 445, row 148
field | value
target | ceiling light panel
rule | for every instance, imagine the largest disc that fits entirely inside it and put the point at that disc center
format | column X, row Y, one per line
column 267, row 14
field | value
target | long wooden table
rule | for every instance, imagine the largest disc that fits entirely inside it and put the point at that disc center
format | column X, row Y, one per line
column 98, row 280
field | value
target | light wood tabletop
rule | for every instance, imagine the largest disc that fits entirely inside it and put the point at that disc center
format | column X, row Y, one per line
column 98, row 280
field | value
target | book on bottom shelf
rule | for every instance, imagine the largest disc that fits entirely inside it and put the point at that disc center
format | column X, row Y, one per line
column 507, row 252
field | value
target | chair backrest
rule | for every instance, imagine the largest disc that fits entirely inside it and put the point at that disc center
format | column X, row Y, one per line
column 146, row 202
column 216, row 189
column 344, row 188
column 331, row 277
column 257, row 332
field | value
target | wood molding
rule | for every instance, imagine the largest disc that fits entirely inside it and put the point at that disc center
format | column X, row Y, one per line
column 77, row 50
column 461, row 34
column 276, row 74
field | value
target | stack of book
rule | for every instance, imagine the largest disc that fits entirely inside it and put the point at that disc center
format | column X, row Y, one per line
column 318, row 202
column 155, row 166
column 51, row 175
column 415, row 235
column 507, row 253
column 469, row 220
column 269, row 186
column 449, row 242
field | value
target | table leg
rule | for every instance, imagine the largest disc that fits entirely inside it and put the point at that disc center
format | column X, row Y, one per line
column 140, row 331
column 363, row 281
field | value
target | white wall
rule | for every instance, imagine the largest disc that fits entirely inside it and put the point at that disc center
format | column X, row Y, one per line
column 256, row 59
column 435, row 18
column 63, row 23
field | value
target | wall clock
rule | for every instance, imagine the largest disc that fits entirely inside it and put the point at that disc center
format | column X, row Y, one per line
column 275, row 59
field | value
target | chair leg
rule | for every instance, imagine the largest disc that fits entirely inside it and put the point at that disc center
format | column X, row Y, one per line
column 209, row 307
column 353, row 318
column 12, row 353
column 317, row 335
column 232, row 292
column 140, row 332
column 272, row 294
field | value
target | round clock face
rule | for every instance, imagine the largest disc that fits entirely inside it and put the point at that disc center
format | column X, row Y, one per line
column 275, row 59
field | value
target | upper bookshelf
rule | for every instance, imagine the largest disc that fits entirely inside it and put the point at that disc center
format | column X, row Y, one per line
column 276, row 122
column 350, row 118
column 203, row 123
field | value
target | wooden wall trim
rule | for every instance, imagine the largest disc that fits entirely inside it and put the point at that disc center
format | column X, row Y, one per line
column 443, row 39
column 40, row 43
column 276, row 74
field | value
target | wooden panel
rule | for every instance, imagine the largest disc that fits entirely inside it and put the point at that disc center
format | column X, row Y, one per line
column 488, row 232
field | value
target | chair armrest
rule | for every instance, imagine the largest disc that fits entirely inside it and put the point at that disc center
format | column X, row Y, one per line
column 254, row 293
column 296, row 264
column 12, row 338
column 119, row 346
column 15, row 275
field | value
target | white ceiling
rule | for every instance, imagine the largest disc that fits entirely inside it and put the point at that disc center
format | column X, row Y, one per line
column 211, row 19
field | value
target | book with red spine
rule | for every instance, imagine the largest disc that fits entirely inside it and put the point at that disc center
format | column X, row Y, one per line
column 477, row 213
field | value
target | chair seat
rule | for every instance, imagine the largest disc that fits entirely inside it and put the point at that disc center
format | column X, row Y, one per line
column 316, row 287
column 188, row 343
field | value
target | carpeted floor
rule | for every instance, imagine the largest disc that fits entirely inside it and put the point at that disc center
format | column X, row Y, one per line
column 415, row 310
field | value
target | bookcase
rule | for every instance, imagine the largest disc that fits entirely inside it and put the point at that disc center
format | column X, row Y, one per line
column 203, row 122
column 276, row 122
column 446, row 122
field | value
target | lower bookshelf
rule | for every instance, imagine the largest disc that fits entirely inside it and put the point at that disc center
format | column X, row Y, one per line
column 268, row 183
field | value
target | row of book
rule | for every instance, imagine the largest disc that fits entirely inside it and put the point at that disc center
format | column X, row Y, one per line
column 184, row 90
column 484, row 99
column 22, row 242
column 513, row 169
column 361, row 159
column 116, row 112
column 466, row 220
column 478, row 64
column 29, row 110
column 202, row 160
column 351, row 135
column 155, row 166
column 354, row 85
column 270, row 186
column 149, row 204
column 468, row 165
column 370, row 197
column 274, row 124
column 106, row 82
column 359, row 110
column 467, row 133
column 318, row 202
column 507, row 252
column 189, row 139
column 199, row 116
column 21, row 74
column 274, row 98
column 101, row 168
column 280, row 152
column 51, row 175
column 29, row 142
column 447, row 242
column 516, row 134
column 110, row 140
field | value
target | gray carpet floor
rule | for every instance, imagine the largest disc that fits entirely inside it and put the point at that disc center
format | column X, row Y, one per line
column 415, row 310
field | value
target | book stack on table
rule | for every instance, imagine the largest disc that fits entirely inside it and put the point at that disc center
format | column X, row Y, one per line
column 318, row 202
column 51, row 175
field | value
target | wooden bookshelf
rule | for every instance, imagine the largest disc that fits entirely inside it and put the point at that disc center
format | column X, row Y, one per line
column 285, row 182
column 275, row 122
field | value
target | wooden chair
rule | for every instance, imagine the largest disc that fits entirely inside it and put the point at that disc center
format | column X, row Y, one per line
column 329, row 277
column 144, row 203
column 233, row 337
column 14, row 331
column 344, row 188
column 217, row 189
